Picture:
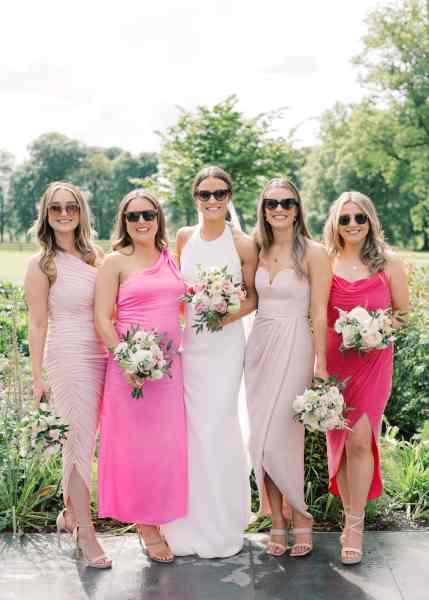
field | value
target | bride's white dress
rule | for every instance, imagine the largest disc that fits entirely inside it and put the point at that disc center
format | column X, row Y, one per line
column 219, row 492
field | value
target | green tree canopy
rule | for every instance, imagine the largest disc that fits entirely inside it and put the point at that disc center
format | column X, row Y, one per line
column 222, row 136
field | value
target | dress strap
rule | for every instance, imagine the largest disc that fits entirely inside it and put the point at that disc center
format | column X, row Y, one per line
column 172, row 263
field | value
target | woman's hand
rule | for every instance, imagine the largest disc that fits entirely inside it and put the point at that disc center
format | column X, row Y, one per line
column 134, row 381
column 321, row 372
column 40, row 389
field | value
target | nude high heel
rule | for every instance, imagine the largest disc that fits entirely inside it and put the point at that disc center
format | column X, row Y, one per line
column 358, row 521
column 146, row 548
column 62, row 524
column 276, row 548
column 99, row 562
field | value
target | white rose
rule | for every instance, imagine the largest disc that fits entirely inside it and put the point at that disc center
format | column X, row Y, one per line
column 372, row 338
column 349, row 334
column 298, row 404
column 361, row 315
column 157, row 374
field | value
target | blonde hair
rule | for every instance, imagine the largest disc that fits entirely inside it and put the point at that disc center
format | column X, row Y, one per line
column 373, row 252
column 46, row 235
column 263, row 233
column 121, row 238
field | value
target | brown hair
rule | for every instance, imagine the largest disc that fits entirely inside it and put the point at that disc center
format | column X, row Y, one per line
column 264, row 233
column 373, row 252
column 46, row 236
column 121, row 237
column 218, row 173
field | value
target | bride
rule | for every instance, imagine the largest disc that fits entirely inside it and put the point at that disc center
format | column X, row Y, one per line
column 219, row 493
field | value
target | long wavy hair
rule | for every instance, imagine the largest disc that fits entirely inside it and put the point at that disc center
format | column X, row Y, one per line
column 218, row 173
column 264, row 233
column 45, row 235
column 121, row 238
column 373, row 252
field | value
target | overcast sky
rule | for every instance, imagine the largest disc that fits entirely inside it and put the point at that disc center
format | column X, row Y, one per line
column 112, row 74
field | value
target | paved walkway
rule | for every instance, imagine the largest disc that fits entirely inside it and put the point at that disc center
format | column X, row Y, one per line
column 396, row 567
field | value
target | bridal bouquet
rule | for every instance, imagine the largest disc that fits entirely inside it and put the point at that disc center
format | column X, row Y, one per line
column 363, row 330
column 321, row 407
column 213, row 296
column 145, row 354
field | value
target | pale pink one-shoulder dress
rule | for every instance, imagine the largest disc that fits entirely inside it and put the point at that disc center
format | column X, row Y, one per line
column 75, row 361
column 142, row 468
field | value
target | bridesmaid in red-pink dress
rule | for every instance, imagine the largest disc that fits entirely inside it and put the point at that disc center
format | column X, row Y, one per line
column 366, row 274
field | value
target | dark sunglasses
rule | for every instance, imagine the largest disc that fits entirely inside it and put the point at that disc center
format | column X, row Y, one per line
column 285, row 203
column 133, row 216
column 360, row 219
column 71, row 209
column 205, row 195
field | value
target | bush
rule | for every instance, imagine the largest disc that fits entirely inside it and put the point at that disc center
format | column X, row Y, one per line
column 408, row 406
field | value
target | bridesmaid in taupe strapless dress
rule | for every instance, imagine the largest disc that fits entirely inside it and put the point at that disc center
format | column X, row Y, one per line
column 293, row 281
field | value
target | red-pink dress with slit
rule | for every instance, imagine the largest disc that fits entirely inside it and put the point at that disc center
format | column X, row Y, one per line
column 368, row 389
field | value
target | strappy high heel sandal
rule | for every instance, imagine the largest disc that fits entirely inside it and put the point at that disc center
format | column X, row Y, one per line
column 62, row 524
column 277, row 549
column 345, row 515
column 307, row 547
column 99, row 562
column 358, row 521
column 147, row 546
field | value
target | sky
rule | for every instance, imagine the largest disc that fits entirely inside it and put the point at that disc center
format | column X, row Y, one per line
column 112, row 74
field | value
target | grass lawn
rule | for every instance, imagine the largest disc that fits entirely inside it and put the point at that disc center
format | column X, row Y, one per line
column 13, row 260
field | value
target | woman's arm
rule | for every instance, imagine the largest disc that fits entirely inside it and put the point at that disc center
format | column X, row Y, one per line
column 36, row 285
column 106, row 291
column 248, row 253
column 398, row 279
column 320, row 276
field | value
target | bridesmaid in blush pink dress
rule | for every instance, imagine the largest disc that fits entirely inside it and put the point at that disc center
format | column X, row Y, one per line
column 60, row 285
column 143, row 459
column 365, row 274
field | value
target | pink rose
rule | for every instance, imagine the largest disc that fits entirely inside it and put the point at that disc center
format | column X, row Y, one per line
column 190, row 290
column 200, row 288
column 199, row 308
column 221, row 307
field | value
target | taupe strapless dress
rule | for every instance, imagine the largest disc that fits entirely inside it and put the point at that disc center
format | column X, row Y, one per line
column 278, row 366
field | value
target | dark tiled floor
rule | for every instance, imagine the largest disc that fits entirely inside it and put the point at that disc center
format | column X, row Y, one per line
column 395, row 567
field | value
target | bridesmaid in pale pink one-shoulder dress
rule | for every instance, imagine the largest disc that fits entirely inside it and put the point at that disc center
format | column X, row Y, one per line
column 366, row 274
column 142, row 472
column 60, row 285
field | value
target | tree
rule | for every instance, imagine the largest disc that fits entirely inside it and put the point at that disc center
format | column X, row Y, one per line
column 6, row 169
column 53, row 157
column 222, row 136
column 394, row 65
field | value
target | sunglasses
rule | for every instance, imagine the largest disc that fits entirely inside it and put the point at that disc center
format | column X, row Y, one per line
column 205, row 195
column 285, row 203
column 360, row 219
column 71, row 209
column 133, row 216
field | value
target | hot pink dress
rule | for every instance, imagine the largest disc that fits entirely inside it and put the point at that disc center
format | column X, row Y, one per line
column 142, row 469
column 368, row 390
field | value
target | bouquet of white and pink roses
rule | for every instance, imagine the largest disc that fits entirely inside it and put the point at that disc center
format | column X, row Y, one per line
column 46, row 429
column 363, row 330
column 213, row 295
column 145, row 354
column 321, row 407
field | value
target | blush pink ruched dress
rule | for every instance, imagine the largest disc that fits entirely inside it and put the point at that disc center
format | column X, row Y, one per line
column 368, row 389
column 142, row 468
column 75, row 362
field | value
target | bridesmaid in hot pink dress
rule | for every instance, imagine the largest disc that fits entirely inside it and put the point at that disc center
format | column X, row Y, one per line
column 366, row 274
column 143, row 460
